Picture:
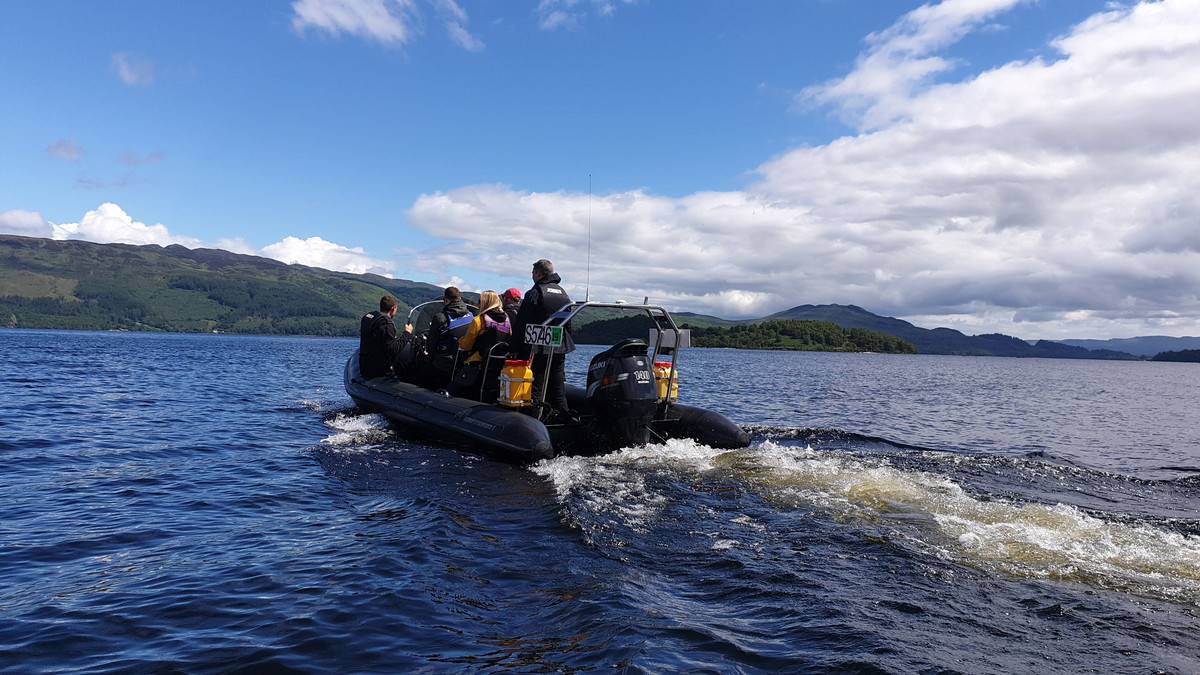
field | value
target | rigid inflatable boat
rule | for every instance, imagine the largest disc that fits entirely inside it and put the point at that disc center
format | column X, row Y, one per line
column 631, row 399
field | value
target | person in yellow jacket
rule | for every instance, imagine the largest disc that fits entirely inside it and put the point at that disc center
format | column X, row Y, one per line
column 491, row 325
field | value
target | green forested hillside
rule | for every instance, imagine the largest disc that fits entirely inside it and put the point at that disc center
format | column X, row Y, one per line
column 1181, row 356
column 77, row 284
column 788, row 335
column 800, row 336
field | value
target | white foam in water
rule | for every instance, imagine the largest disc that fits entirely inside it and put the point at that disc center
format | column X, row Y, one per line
column 356, row 429
column 614, row 485
column 602, row 488
column 1031, row 540
column 1024, row 540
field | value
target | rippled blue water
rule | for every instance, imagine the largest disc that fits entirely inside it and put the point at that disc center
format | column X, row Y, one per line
column 213, row 503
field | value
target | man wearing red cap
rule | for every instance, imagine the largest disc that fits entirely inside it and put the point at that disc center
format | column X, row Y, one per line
column 511, row 299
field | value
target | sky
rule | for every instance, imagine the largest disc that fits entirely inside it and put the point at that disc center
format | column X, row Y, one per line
column 1017, row 166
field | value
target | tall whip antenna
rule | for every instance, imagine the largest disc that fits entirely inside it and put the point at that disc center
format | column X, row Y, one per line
column 587, row 293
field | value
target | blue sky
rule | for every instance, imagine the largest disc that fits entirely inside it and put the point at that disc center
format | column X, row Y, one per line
column 258, row 122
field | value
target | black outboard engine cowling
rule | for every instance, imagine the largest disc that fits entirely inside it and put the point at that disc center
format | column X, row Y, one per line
column 622, row 393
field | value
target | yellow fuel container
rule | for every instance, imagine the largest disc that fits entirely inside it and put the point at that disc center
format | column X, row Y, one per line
column 665, row 376
column 516, row 384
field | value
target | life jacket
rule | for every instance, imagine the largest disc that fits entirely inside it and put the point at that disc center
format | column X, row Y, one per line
column 551, row 298
column 499, row 326
column 446, row 345
column 493, row 332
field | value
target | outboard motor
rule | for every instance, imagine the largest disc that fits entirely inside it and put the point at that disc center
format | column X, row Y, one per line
column 622, row 393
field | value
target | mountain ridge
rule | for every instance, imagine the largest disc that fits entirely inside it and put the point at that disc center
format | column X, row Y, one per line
column 947, row 341
column 1142, row 345
column 77, row 284
column 48, row 283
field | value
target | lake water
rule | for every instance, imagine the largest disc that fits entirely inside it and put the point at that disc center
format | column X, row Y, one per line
column 215, row 503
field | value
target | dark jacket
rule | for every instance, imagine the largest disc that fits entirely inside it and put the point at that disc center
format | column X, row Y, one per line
column 451, row 311
column 540, row 302
column 377, row 344
column 443, row 340
column 511, row 310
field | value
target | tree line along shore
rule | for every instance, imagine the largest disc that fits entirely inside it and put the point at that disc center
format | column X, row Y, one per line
column 87, row 286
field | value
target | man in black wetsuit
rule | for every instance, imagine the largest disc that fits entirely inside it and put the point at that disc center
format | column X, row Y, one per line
column 540, row 302
column 377, row 342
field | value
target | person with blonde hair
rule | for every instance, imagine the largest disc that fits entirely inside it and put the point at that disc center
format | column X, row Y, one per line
column 490, row 327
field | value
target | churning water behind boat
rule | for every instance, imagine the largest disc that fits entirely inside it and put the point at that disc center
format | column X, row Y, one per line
column 924, row 512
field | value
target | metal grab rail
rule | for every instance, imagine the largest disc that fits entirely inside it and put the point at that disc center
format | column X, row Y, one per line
column 491, row 355
column 656, row 313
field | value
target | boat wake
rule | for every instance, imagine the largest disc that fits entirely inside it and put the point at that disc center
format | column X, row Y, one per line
column 356, row 430
column 921, row 511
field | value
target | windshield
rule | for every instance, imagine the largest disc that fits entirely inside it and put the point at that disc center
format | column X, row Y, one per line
column 422, row 315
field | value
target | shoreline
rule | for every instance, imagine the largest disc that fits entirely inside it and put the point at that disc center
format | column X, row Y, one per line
column 738, row 349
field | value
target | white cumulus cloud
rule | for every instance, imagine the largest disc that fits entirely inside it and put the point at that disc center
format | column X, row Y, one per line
column 1044, row 197
column 237, row 245
column 109, row 224
column 317, row 252
column 704, row 251
column 24, row 223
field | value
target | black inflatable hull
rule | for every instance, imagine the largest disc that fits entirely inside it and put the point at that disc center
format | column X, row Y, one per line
column 507, row 433
column 513, row 435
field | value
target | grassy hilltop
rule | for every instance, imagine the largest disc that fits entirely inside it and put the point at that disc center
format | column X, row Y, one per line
column 78, row 284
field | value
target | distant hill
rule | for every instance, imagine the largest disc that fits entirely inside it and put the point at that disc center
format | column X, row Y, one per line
column 777, row 334
column 809, row 336
column 704, row 320
column 941, row 340
column 1182, row 356
column 79, row 284
column 1146, row 345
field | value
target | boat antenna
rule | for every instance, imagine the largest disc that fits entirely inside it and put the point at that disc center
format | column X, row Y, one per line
column 587, row 293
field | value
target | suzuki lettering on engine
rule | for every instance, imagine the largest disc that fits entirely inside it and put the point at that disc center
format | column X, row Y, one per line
column 538, row 335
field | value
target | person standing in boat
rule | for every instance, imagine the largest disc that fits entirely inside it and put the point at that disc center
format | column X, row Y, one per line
column 511, row 299
column 377, row 340
column 540, row 302
column 490, row 328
